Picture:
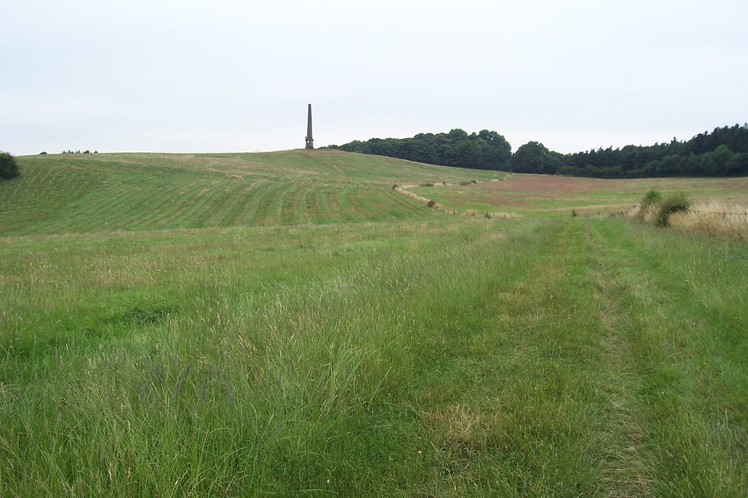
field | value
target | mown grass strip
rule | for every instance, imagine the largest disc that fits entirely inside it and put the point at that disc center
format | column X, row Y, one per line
column 237, row 208
column 686, row 347
column 267, row 203
column 39, row 194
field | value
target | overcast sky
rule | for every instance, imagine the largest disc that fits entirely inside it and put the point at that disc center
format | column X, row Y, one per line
column 229, row 75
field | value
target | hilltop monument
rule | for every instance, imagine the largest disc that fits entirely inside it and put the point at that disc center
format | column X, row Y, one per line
column 309, row 140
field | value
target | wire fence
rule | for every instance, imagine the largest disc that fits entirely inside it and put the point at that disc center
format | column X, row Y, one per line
column 721, row 214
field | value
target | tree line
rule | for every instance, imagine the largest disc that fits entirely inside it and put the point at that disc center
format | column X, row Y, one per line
column 482, row 150
column 723, row 152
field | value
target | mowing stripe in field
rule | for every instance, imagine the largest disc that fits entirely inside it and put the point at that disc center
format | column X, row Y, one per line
column 201, row 210
column 253, row 201
column 310, row 207
column 241, row 198
column 326, row 212
column 291, row 211
column 358, row 200
column 404, row 203
column 140, row 210
column 175, row 205
column 268, row 205
column 39, row 194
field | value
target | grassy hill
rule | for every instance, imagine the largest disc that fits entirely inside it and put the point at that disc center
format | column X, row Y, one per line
column 133, row 192
column 287, row 324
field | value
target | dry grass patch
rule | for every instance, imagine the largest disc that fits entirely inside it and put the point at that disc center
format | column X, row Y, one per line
column 431, row 203
column 717, row 218
column 490, row 215
column 464, row 431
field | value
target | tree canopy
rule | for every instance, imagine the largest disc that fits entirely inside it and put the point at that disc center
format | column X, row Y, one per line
column 723, row 152
column 534, row 157
column 483, row 150
column 8, row 167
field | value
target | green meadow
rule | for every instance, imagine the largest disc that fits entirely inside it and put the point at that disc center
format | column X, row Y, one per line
column 288, row 324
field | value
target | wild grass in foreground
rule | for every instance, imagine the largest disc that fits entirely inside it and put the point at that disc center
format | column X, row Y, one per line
column 447, row 357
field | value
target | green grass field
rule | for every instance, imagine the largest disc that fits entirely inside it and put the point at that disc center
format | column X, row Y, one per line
column 286, row 324
column 136, row 192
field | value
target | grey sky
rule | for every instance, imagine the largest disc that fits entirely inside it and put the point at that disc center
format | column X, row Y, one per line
column 223, row 75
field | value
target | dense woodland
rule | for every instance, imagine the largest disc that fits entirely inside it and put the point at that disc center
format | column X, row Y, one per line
column 483, row 150
column 723, row 152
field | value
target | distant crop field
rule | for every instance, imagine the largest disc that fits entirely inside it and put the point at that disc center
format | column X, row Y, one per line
column 544, row 194
column 289, row 324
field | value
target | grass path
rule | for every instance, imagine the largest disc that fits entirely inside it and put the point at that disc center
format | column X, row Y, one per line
column 546, row 419
column 685, row 344
column 593, row 379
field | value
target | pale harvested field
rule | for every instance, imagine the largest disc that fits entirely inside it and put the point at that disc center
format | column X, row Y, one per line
column 537, row 194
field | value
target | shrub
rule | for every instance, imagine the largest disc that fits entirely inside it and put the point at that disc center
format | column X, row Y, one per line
column 8, row 167
column 648, row 204
column 673, row 203
column 651, row 198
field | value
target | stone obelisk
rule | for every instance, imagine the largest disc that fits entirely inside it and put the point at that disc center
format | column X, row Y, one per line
column 309, row 140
